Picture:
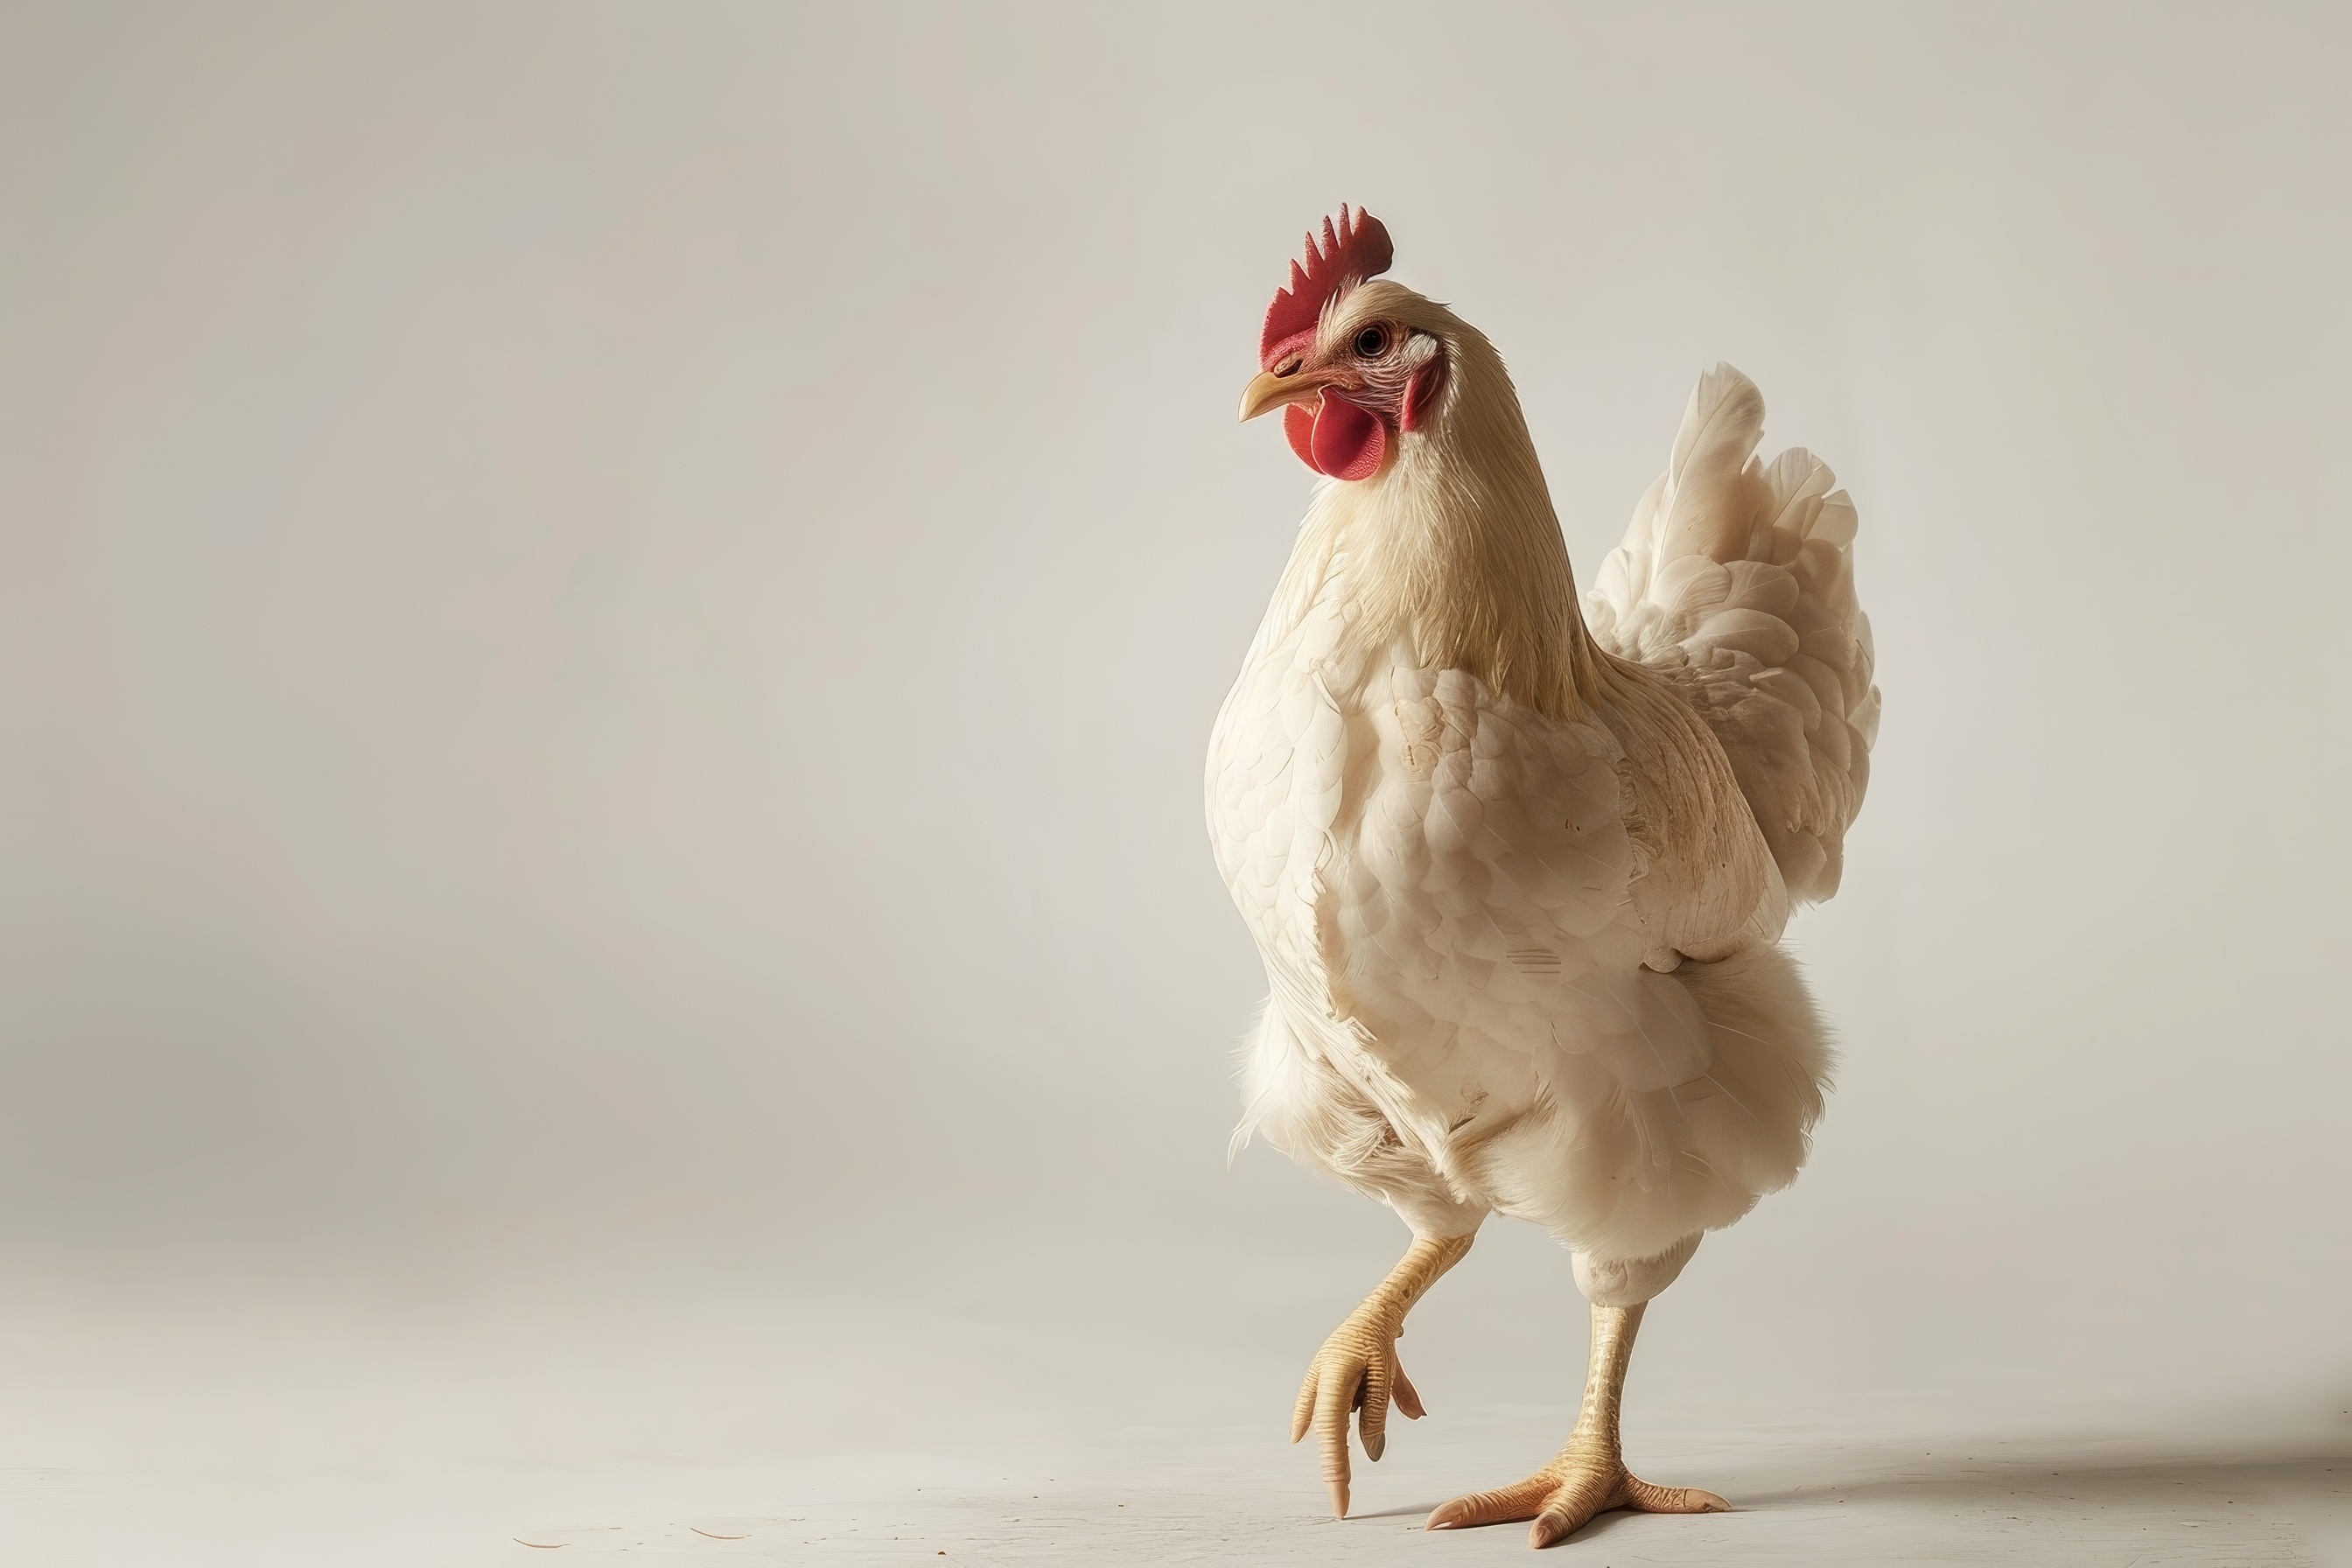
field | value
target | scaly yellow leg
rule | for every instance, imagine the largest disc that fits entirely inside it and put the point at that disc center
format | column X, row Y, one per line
column 1588, row 1477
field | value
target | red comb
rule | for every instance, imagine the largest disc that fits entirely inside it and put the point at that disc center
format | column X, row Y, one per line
column 1356, row 249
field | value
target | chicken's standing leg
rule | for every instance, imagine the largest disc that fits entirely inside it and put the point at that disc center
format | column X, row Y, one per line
column 1588, row 1477
column 1357, row 1369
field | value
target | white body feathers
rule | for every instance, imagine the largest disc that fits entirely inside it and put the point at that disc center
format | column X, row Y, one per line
column 1519, row 887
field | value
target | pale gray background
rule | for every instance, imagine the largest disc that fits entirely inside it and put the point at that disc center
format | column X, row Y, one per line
column 611, row 615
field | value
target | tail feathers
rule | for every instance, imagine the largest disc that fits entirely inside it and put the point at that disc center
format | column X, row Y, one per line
column 1736, row 577
column 1704, row 476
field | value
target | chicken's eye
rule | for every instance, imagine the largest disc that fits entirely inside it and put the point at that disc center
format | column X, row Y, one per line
column 1372, row 342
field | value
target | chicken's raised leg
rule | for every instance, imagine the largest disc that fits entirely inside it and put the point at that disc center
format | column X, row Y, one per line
column 1588, row 1477
column 1357, row 1368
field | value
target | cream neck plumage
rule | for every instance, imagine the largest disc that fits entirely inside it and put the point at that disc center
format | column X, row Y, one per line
column 1453, row 544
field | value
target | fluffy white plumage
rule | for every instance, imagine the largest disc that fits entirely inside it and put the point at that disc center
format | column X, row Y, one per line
column 1519, row 886
column 1737, row 578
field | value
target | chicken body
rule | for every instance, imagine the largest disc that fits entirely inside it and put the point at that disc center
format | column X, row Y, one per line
column 1518, row 874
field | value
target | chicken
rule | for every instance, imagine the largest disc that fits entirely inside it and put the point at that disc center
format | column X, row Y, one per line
column 1519, row 874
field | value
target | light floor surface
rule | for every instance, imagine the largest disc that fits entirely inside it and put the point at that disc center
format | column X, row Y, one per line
column 1226, row 1499
column 759, row 1432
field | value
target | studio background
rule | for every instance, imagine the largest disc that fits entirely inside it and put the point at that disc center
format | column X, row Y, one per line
column 609, row 617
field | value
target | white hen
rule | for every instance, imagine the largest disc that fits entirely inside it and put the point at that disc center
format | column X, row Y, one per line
column 1519, row 875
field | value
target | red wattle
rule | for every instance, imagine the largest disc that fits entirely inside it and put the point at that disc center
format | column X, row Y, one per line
column 1299, row 427
column 1347, row 442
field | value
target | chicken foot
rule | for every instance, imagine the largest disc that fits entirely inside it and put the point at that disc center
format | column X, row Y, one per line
column 1589, row 1476
column 1357, row 1369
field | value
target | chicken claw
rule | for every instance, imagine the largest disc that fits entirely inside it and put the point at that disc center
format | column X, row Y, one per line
column 1357, row 1370
column 1565, row 1496
column 1589, row 1476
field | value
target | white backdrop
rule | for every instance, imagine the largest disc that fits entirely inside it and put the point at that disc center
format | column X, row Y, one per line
column 611, row 615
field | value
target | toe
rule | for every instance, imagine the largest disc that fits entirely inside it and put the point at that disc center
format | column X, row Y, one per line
column 1333, row 1405
column 1548, row 1528
column 1524, row 1500
column 1408, row 1397
column 1303, row 1412
column 1641, row 1495
column 1373, row 1419
column 1570, row 1507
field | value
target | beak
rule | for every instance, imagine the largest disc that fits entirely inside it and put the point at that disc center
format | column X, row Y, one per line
column 1268, row 391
